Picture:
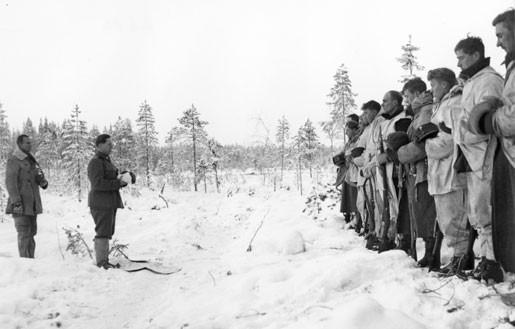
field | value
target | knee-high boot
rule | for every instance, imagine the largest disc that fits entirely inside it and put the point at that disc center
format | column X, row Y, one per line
column 102, row 252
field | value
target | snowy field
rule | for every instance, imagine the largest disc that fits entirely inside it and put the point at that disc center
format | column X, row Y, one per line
column 300, row 273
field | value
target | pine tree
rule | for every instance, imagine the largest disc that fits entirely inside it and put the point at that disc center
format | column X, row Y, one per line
column 309, row 140
column 195, row 132
column 124, row 150
column 174, row 136
column 48, row 153
column 214, row 149
column 298, row 142
column 146, row 138
column 341, row 100
column 282, row 136
column 77, row 150
column 409, row 61
column 5, row 137
column 30, row 130
column 330, row 129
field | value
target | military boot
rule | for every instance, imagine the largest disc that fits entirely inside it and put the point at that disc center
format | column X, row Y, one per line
column 428, row 253
column 102, row 253
column 372, row 242
column 385, row 245
column 488, row 270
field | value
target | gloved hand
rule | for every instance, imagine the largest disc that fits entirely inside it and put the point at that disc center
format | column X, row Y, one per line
column 382, row 158
column 478, row 114
column 493, row 101
column 402, row 124
column 40, row 178
column 443, row 127
column 339, row 159
column 17, row 208
column 133, row 176
column 397, row 139
column 392, row 155
column 425, row 131
column 356, row 152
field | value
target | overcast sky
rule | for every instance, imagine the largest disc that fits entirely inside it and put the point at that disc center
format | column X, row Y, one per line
column 235, row 60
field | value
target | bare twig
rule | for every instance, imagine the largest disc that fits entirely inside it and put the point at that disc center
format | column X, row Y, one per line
column 427, row 291
column 87, row 247
column 196, row 245
column 249, row 248
column 162, row 197
column 58, row 241
column 254, row 313
column 317, row 306
column 212, row 277
column 452, row 296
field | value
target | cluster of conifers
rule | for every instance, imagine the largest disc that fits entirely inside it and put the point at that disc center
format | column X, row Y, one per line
column 439, row 164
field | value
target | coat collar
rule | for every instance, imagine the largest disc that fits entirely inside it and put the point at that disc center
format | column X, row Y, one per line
column 475, row 68
column 19, row 154
column 424, row 99
column 393, row 114
column 102, row 155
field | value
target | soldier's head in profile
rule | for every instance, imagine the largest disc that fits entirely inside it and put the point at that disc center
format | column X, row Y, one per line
column 469, row 51
column 504, row 30
column 412, row 89
column 441, row 80
column 392, row 100
column 370, row 110
column 24, row 143
column 104, row 143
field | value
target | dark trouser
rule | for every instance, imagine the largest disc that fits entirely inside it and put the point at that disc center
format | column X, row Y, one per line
column 104, row 222
column 503, row 211
column 27, row 227
column 422, row 208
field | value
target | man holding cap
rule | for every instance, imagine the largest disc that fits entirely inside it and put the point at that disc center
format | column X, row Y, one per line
column 104, row 197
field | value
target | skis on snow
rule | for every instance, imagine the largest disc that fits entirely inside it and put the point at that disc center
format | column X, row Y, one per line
column 137, row 265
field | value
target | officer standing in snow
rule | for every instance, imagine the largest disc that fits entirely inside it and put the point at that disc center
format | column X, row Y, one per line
column 104, row 197
column 23, row 178
column 476, row 152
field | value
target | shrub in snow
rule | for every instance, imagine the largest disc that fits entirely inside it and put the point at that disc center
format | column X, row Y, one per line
column 76, row 243
column 294, row 243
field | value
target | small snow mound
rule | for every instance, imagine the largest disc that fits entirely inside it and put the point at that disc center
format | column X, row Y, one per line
column 294, row 244
column 366, row 313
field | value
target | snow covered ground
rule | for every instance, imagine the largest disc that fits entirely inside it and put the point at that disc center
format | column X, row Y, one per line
column 300, row 273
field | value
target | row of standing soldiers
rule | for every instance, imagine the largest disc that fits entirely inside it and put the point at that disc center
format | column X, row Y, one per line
column 440, row 163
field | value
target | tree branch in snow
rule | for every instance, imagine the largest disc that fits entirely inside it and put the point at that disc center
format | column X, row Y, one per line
column 315, row 306
column 255, row 313
column 162, row 197
column 249, row 248
column 212, row 277
column 58, row 241
column 428, row 291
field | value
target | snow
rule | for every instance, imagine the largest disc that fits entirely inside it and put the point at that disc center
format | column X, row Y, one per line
column 300, row 272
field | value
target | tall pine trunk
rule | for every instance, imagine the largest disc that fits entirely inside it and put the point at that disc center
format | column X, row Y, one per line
column 282, row 160
column 300, row 175
column 194, row 157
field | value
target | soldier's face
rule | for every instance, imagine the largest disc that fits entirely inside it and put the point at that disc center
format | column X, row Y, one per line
column 368, row 116
column 389, row 103
column 106, row 147
column 505, row 37
column 466, row 60
column 410, row 96
column 439, row 89
column 26, row 145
